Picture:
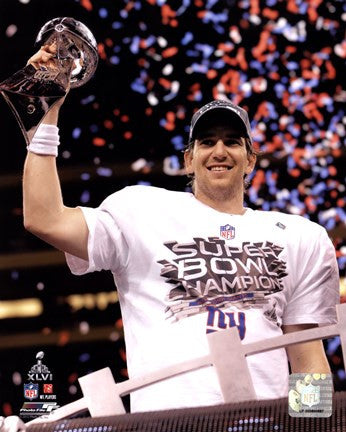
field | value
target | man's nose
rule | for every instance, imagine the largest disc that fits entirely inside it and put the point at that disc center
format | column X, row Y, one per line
column 220, row 150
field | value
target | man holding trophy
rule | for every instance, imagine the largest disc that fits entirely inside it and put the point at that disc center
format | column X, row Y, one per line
column 185, row 264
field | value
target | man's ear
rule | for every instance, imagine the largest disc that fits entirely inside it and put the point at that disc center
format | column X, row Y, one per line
column 252, row 158
column 188, row 161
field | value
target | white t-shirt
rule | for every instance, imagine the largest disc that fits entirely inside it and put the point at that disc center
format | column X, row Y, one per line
column 183, row 269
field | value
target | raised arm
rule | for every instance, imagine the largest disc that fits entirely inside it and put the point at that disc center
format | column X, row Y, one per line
column 45, row 214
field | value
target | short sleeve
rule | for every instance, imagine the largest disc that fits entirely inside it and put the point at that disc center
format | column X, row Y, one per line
column 107, row 247
column 316, row 291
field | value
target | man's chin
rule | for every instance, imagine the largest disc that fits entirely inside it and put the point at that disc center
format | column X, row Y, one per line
column 217, row 191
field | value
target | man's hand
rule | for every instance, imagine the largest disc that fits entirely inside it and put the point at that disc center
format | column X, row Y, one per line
column 44, row 57
column 11, row 424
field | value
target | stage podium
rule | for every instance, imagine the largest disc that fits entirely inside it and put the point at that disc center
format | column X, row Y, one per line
column 102, row 396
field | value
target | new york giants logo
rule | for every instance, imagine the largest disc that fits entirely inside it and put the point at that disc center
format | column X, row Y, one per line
column 217, row 320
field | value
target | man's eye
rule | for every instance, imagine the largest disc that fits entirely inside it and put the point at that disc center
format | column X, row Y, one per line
column 227, row 141
column 234, row 141
column 207, row 142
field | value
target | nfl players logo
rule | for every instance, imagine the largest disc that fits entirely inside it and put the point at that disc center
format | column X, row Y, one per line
column 48, row 388
column 31, row 391
column 227, row 232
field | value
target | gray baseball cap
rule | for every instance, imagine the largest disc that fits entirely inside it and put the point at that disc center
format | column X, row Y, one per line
column 234, row 111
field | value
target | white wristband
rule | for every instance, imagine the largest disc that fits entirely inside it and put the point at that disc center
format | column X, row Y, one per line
column 45, row 141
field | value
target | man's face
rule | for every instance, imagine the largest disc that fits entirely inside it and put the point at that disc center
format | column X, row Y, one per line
column 219, row 161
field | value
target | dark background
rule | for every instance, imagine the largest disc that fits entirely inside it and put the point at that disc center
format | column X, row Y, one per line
column 160, row 61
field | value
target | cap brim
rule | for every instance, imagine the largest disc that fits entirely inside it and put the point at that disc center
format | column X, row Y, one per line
column 206, row 115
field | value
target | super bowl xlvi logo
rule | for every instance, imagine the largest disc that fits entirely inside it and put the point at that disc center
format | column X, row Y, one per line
column 31, row 391
column 39, row 371
column 215, row 273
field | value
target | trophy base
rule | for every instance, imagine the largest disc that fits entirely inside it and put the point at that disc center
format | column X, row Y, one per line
column 31, row 93
column 29, row 111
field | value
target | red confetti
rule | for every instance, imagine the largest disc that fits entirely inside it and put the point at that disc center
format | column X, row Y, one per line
column 99, row 142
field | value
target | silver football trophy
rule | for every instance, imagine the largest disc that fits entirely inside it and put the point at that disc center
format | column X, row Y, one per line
column 32, row 91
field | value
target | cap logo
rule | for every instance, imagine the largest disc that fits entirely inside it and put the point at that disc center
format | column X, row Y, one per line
column 220, row 103
column 226, row 105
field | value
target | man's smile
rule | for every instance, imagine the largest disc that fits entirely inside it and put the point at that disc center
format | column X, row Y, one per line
column 219, row 167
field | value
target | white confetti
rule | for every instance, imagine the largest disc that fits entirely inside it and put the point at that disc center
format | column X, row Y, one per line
column 84, row 327
column 139, row 164
column 162, row 42
column 11, row 30
column 152, row 99
column 168, row 69
column 16, row 378
column 72, row 389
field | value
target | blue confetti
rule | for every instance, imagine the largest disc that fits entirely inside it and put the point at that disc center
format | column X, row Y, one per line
column 85, row 176
column 76, row 133
column 104, row 172
column 84, row 357
column 114, row 60
column 103, row 12
column 85, row 197
column 178, row 142
column 188, row 37
column 87, row 100
column 117, row 25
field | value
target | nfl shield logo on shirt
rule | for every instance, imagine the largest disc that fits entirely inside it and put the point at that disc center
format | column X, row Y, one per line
column 227, row 231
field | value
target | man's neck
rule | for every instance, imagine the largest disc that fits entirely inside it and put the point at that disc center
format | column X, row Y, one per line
column 231, row 206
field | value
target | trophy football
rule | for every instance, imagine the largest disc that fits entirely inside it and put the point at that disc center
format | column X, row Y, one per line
column 33, row 90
